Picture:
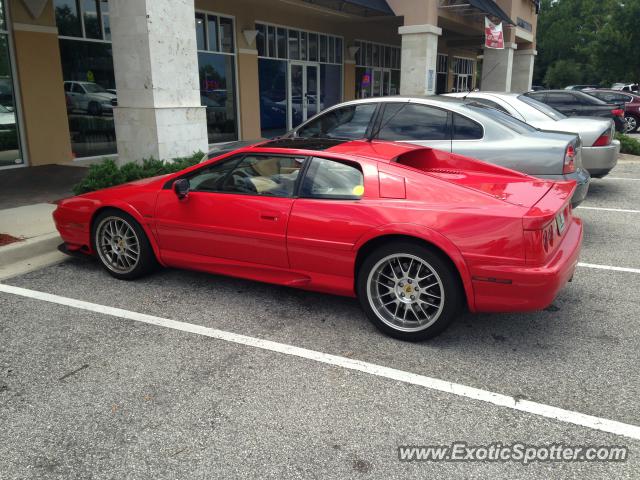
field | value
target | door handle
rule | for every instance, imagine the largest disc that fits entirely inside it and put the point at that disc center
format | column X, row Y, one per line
column 267, row 216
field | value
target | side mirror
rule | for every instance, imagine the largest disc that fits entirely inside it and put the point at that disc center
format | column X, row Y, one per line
column 181, row 188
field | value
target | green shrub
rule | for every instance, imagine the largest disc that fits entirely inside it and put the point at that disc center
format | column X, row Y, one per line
column 108, row 174
column 628, row 144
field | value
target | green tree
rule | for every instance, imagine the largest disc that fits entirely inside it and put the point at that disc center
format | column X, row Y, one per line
column 599, row 38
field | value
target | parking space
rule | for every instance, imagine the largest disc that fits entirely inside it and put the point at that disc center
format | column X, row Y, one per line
column 91, row 394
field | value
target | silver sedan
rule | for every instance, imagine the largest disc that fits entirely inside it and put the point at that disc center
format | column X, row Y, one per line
column 599, row 149
column 450, row 124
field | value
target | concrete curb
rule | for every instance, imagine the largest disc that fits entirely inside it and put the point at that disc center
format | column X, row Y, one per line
column 31, row 247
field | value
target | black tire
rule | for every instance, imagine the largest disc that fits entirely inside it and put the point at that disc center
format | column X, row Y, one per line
column 634, row 121
column 449, row 282
column 146, row 260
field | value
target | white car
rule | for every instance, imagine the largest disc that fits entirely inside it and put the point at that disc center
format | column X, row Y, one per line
column 599, row 148
column 89, row 97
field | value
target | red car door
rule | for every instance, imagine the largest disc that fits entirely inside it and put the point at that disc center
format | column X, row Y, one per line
column 236, row 209
column 332, row 213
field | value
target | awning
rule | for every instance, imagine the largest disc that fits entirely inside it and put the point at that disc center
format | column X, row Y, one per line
column 477, row 7
column 364, row 8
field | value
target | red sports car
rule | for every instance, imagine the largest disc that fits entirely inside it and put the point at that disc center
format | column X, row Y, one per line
column 416, row 234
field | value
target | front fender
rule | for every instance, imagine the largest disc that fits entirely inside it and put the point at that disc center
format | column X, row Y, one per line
column 431, row 236
column 145, row 222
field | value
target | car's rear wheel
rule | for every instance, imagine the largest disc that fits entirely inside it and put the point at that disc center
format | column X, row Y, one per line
column 408, row 291
column 631, row 123
column 122, row 246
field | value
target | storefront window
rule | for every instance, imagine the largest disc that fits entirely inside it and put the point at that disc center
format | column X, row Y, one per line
column 9, row 133
column 273, row 97
column 68, row 18
column 216, row 68
column 87, row 71
column 313, row 75
column 377, row 70
column 89, row 88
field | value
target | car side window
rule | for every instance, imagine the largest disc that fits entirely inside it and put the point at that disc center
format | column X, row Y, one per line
column 332, row 180
column 559, row 98
column 466, row 129
column 67, row 87
column 210, row 178
column 411, row 121
column 264, row 175
column 350, row 122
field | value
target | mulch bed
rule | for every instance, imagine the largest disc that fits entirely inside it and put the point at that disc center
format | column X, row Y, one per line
column 7, row 239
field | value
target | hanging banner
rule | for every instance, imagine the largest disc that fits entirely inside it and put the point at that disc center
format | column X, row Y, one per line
column 493, row 35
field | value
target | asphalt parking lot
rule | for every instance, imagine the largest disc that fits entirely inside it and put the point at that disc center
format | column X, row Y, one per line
column 86, row 393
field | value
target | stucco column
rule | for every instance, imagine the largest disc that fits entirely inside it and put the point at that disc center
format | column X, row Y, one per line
column 159, row 112
column 522, row 70
column 497, row 68
column 419, row 57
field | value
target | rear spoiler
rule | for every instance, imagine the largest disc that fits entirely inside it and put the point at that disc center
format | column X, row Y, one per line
column 545, row 210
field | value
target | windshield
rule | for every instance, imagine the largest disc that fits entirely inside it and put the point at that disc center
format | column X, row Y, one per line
column 502, row 118
column 93, row 88
column 541, row 107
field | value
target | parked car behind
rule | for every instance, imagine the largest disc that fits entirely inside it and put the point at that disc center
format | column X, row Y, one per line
column 599, row 148
column 89, row 97
column 625, row 87
column 631, row 105
column 580, row 87
column 450, row 125
column 579, row 104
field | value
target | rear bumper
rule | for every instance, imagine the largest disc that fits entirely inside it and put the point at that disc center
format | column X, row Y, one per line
column 531, row 288
column 600, row 160
column 582, row 179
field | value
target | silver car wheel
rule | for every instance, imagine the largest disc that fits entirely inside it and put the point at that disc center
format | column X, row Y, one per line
column 405, row 292
column 630, row 123
column 117, row 244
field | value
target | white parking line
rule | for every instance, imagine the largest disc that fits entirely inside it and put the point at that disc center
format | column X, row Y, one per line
column 609, row 267
column 540, row 409
column 621, row 178
column 604, row 209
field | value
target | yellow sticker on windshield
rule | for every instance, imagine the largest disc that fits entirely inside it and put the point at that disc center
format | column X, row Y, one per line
column 358, row 190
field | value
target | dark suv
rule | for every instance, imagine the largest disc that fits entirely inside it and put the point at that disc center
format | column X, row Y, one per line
column 574, row 103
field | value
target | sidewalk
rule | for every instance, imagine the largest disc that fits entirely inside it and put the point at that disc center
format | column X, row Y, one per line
column 36, row 239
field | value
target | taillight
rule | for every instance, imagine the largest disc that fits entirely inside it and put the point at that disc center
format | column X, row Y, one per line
column 603, row 140
column 617, row 112
column 569, row 160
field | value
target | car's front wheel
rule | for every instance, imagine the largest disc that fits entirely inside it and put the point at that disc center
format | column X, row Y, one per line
column 409, row 291
column 121, row 245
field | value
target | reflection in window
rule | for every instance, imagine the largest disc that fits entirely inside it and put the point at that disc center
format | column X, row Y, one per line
column 89, row 86
column 330, row 85
column 349, row 122
column 67, row 18
column 217, row 94
column 403, row 121
column 272, row 75
column 9, row 135
column 92, row 26
column 332, row 180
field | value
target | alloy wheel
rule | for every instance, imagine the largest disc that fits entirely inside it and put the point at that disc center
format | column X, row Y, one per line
column 118, row 245
column 405, row 292
column 630, row 124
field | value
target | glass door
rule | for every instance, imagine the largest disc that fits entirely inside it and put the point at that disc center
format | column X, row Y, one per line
column 304, row 92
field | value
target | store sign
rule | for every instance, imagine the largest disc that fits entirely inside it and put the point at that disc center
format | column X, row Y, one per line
column 493, row 35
